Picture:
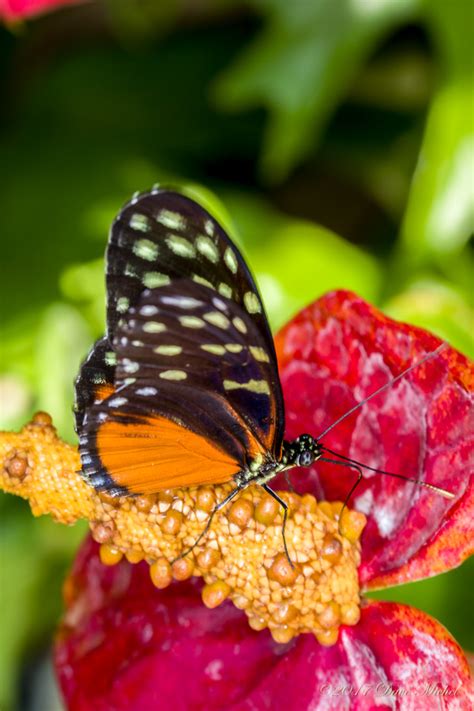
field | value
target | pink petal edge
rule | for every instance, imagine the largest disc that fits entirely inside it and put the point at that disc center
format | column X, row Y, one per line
column 14, row 10
column 333, row 354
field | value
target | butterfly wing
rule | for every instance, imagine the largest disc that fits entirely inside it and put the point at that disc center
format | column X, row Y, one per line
column 95, row 381
column 163, row 235
column 196, row 390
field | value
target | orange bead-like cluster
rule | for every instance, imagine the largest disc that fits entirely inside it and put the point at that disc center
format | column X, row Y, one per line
column 241, row 558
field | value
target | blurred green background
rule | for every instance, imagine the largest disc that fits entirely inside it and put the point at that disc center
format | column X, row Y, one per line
column 336, row 138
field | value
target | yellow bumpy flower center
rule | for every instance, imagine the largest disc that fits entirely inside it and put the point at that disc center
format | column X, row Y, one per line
column 241, row 558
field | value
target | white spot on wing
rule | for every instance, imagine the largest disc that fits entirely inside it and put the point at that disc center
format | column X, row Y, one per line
column 225, row 290
column 117, row 402
column 200, row 280
column 122, row 304
column 191, row 322
column 145, row 249
column 184, row 302
column 148, row 310
column 172, row 220
column 147, row 392
column 154, row 327
column 173, row 375
column 234, row 347
column 110, row 358
column 219, row 304
column 231, row 260
column 252, row 302
column 130, row 271
column 255, row 386
column 213, row 348
column 209, row 227
column 130, row 366
column 207, row 248
column 259, row 354
column 239, row 324
column 180, row 246
column 139, row 222
column 153, row 280
column 216, row 318
column 168, row 350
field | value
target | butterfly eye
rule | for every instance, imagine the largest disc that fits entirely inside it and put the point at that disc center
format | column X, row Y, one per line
column 305, row 459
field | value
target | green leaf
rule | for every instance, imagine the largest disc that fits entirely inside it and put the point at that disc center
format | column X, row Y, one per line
column 63, row 339
column 445, row 597
column 34, row 555
column 440, row 214
column 438, row 307
column 301, row 65
column 296, row 261
column 84, row 285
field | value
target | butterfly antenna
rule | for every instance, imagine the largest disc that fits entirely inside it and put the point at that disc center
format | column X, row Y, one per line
column 351, row 490
column 356, row 464
column 391, row 382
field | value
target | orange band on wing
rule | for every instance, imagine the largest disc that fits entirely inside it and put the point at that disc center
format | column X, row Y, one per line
column 103, row 391
column 160, row 454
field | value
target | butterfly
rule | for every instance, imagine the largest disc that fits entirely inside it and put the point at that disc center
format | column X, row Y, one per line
column 183, row 389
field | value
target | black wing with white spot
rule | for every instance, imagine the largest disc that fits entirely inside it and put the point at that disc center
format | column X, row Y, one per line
column 161, row 236
column 95, row 379
column 191, row 338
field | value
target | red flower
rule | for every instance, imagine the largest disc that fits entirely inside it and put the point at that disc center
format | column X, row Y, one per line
column 14, row 10
column 126, row 645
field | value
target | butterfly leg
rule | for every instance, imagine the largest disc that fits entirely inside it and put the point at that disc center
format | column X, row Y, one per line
column 284, row 506
column 216, row 508
column 351, row 490
column 288, row 482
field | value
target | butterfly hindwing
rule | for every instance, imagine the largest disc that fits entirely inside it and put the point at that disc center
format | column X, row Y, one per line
column 196, row 395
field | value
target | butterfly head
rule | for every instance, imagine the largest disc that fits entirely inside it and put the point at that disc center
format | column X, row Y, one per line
column 302, row 452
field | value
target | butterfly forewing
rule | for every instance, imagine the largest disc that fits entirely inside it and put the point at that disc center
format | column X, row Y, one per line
column 95, row 380
column 186, row 335
column 196, row 393
column 162, row 236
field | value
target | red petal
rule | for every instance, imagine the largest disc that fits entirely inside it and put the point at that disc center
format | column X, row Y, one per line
column 126, row 645
column 407, row 660
column 13, row 10
column 337, row 352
